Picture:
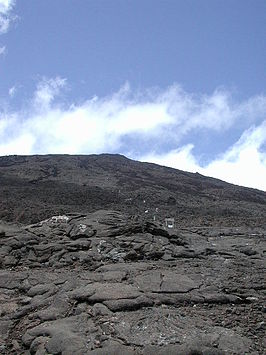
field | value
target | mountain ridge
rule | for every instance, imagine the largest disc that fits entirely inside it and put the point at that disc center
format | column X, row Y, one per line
column 84, row 183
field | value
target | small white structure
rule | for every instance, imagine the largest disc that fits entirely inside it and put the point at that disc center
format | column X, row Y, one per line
column 55, row 219
column 59, row 219
column 170, row 222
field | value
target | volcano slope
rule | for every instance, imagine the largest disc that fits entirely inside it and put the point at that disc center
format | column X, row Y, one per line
column 88, row 265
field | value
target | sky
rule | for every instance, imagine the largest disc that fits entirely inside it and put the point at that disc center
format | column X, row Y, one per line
column 180, row 83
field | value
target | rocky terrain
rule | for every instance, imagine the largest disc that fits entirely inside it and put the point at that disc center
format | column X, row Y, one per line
column 89, row 266
column 33, row 188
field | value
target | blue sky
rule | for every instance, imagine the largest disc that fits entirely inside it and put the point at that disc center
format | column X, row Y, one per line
column 177, row 82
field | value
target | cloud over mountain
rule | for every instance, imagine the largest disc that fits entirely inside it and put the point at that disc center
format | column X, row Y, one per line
column 164, row 126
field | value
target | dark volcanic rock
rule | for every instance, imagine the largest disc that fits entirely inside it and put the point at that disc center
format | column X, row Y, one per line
column 33, row 188
column 98, row 271
column 73, row 289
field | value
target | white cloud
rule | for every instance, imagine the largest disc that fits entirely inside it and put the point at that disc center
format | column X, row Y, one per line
column 244, row 163
column 142, row 125
column 21, row 145
column 6, row 7
column 2, row 50
column 181, row 158
column 47, row 90
column 12, row 91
